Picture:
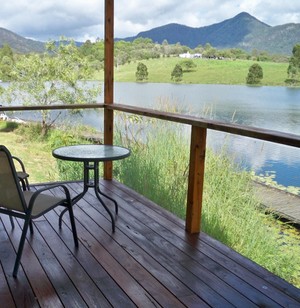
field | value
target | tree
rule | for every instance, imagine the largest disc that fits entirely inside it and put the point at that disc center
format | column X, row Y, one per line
column 56, row 77
column 141, row 72
column 177, row 73
column 187, row 65
column 6, row 62
column 255, row 74
column 294, row 64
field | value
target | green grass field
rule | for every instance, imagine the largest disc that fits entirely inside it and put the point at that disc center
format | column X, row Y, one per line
column 206, row 72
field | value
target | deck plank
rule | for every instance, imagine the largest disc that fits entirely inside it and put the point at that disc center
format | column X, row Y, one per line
column 149, row 261
column 202, row 265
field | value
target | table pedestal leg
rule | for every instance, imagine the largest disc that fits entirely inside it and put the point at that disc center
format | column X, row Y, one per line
column 98, row 192
column 95, row 184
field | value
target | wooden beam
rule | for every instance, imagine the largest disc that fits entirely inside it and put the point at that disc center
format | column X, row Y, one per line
column 196, row 179
column 109, row 81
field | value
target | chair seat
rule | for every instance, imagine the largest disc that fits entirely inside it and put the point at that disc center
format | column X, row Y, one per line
column 43, row 203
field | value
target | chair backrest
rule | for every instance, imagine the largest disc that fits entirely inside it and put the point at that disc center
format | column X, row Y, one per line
column 11, row 196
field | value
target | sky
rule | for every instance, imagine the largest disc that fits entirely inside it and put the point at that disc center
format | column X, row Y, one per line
column 80, row 20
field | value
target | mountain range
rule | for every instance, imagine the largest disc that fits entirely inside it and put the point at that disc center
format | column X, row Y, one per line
column 242, row 31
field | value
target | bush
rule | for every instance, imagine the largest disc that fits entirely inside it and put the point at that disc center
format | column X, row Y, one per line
column 255, row 74
column 141, row 72
column 6, row 126
column 68, row 171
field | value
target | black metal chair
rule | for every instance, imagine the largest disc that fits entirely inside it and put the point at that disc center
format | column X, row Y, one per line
column 28, row 204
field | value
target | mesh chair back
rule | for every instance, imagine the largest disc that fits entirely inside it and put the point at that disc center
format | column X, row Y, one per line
column 11, row 196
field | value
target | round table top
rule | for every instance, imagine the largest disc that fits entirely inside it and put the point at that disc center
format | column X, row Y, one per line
column 91, row 152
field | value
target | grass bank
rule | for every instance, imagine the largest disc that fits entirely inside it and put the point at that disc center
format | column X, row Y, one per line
column 207, row 71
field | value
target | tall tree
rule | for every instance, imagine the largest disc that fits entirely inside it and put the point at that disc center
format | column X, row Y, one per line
column 177, row 73
column 59, row 76
column 6, row 62
column 294, row 63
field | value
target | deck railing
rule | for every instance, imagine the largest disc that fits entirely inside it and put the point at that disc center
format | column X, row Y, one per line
column 199, row 127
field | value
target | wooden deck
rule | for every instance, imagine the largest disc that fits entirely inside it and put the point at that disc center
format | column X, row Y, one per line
column 149, row 261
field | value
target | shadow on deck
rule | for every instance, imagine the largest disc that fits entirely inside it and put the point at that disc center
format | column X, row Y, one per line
column 149, row 261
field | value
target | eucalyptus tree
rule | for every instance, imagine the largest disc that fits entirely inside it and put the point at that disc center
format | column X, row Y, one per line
column 59, row 76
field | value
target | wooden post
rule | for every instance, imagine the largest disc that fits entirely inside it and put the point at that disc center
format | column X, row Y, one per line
column 109, row 81
column 196, row 180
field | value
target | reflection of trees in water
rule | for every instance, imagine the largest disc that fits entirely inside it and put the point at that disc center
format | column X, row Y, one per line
column 260, row 156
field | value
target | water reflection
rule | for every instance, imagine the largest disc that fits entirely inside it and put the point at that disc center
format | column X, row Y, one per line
column 275, row 108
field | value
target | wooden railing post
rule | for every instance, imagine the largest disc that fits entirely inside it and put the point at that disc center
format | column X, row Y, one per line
column 196, row 179
column 109, row 82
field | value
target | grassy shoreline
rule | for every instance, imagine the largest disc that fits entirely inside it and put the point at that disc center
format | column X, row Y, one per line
column 207, row 71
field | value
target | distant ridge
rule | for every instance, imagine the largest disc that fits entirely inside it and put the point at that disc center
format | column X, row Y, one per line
column 242, row 31
column 18, row 43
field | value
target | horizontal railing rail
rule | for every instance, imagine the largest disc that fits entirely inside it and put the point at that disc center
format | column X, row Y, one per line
column 242, row 130
column 197, row 145
column 236, row 129
column 50, row 107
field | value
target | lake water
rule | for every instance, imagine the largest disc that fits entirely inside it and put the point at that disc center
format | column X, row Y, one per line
column 275, row 108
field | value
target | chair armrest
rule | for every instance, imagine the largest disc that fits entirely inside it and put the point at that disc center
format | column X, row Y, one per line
column 20, row 162
column 48, row 188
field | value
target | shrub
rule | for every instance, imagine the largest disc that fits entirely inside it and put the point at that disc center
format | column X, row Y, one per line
column 255, row 74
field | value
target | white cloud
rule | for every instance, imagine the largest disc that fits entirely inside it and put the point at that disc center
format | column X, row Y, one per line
column 80, row 19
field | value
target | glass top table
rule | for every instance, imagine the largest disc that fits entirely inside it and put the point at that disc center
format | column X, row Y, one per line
column 91, row 155
column 91, row 152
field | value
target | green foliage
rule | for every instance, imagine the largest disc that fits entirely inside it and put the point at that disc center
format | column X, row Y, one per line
column 141, row 72
column 94, row 53
column 255, row 74
column 6, row 63
column 31, row 132
column 187, row 65
column 177, row 73
column 294, row 66
column 58, row 76
column 68, row 171
column 6, row 126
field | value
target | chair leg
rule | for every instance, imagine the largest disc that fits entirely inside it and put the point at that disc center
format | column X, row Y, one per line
column 21, row 246
column 72, row 220
column 23, row 184
column 12, row 221
column 31, row 226
column 27, row 184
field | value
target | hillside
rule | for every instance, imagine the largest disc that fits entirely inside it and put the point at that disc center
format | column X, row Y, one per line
column 242, row 31
column 18, row 43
